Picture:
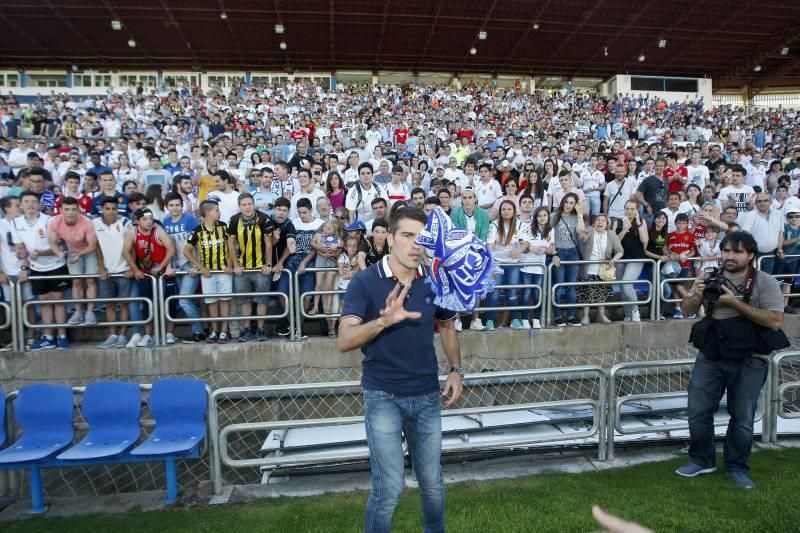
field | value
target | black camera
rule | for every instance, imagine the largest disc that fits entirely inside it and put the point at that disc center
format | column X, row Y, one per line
column 714, row 281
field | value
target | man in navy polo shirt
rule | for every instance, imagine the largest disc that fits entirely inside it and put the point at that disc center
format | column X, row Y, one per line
column 389, row 313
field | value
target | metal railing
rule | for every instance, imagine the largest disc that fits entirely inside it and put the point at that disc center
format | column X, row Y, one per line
column 539, row 289
column 300, row 308
column 553, row 304
column 10, row 312
column 269, row 394
column 785, row 377
column 152, row 306
column 167, row 317
column 616, row 400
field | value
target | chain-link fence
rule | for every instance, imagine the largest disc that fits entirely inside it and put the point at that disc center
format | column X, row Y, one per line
column 347, row 402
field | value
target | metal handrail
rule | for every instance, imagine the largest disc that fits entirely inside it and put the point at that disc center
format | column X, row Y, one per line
column 300, row 309
column 615, row 403
column 166, row 316
column 760, row 259
column 23, row 322
column 219, row 438
column 778, row 390
column 553, row 288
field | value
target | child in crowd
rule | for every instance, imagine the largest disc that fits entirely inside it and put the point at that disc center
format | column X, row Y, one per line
column 708, row 251
column 791, row 247
column 680, row 248
column 348, row 268
column 328, row 244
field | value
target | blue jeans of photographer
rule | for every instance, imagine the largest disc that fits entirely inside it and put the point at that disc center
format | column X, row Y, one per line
column 743, row 380
column 387, row 418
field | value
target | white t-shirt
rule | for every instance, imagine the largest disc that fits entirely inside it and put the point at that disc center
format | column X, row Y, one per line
column 502, row 252
column 487, row 193
column 228, row 203
column 697, row 175
column 314, row 195
column 111, row 240
column 8, row 253
column 616, row 202
column 736, row 197
column 363, row 209
column 591, row 179
column 535, row 241
column 36, row 237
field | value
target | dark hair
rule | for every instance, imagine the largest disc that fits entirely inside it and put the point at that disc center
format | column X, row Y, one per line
column 509, row 179
column 564, row 199
column 107, row 200
column 434, row 200
column 304, row 202
column 365, row 165
column 305, row 170
column 417, row 190
column 445, row 191
column 740, row 169
column 740, row 241
column 411, row 213
column 244, row 196
column 154, row 194
column 380, row 223
column 501, row 227
column 172, row 196
column 379, row 200
column 206, row 206
column 5, row 203
column 333, row 174
column 136, row 197
column 535, row 224
column 28, row 193
column 486, row 165
column 682, row 217
column 69, row 200
column 223, row 175
column 282, row 201
column 70, row 175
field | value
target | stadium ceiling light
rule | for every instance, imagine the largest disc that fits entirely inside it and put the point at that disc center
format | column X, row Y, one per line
column 785, row 51
column 223, row 15
column 131, row 43
column 535, row 25
column 757, row 68
column 473, row 51
column 605, row 51
column 283, row 45
column 662, row 43
column 116, row 25
column 482, row 35
column 279, row 28
column 641, row 58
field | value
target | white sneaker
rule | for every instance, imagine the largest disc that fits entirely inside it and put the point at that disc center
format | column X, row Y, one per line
column 75, row 319
column 135, row 338
column 122, row 341
column 458, row 324
column 90, row 318
column 526, row 324
column 170, row 338
column 537, row 324
column 476, row 324
column 146, row 342
column 701, row 312
column 635, row 317
column 110, row 342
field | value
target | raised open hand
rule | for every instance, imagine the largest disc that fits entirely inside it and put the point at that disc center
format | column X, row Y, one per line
column 394, row 312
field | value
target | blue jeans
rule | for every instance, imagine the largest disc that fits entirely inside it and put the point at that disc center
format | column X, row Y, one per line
column 595, row 205
column 387, row 418
column 743, row 380
column 531, row 293
column 184, row 285
column 768, row 264
column 566, row 274
column 510, row 276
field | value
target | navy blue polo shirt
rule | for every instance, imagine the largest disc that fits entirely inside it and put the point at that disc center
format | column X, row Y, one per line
column 401, row 360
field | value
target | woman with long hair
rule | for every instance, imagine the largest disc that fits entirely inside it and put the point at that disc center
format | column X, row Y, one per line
column 656, row 242
column 506, row 246
column 633, row 236
column 334, row 190
column 536, row 189
column 569, row 230
column 510, row 190
column 351, row 169
column 693, row 203
column 124, row 172
column 541, row 243
column 602, row 244
column 155, row 201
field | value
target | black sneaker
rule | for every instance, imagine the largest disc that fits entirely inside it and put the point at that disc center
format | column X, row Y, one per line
column 196, row 337
column 261, row 335
column 245, row 335
column 561, row 322
column 284, row 332
column 574, row 321
column 212, row 338
column 224, row 337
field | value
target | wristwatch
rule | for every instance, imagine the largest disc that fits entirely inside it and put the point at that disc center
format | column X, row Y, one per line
column 458, row 370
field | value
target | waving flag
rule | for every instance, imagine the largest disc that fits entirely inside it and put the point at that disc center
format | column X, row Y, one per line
column 462, row 270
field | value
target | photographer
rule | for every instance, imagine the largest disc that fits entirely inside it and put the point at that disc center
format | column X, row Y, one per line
column 744, row 317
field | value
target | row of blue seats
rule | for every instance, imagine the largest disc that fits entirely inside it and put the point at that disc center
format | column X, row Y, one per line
column 44, row 414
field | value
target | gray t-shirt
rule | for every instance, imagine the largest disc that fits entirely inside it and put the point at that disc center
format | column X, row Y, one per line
column 565, row 226
column 766, row 294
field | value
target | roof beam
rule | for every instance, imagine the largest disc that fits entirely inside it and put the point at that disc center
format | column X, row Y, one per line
column 568, row 39
column 23, row 33
column 172, row 22
column 115, row 16
column 382, row 33
column 524, row 39
column 432, row 30
column 81, row 37
column 745, row 68
column 332, row 32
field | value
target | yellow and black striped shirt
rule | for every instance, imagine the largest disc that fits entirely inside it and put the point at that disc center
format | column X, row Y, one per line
column 211, row 245
column 249, row 236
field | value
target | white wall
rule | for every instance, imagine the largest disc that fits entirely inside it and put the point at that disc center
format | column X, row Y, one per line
column 621, row 83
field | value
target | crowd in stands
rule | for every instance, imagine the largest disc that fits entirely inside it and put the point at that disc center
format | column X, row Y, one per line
column 224, row 193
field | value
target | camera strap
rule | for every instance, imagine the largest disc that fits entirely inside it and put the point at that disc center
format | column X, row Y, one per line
column 747, row 290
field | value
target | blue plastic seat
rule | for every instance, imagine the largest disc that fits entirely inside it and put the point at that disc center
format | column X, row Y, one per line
column 179, row 408
column 112, row 410
column 2, row 418
column 44, row 412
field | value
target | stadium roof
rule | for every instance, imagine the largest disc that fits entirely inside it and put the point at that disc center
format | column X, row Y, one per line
column 722, row 39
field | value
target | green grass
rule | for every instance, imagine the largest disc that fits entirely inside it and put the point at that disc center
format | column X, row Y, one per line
column 649, row 493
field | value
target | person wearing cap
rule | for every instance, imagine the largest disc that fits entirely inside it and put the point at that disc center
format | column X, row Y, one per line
column 148, row 250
